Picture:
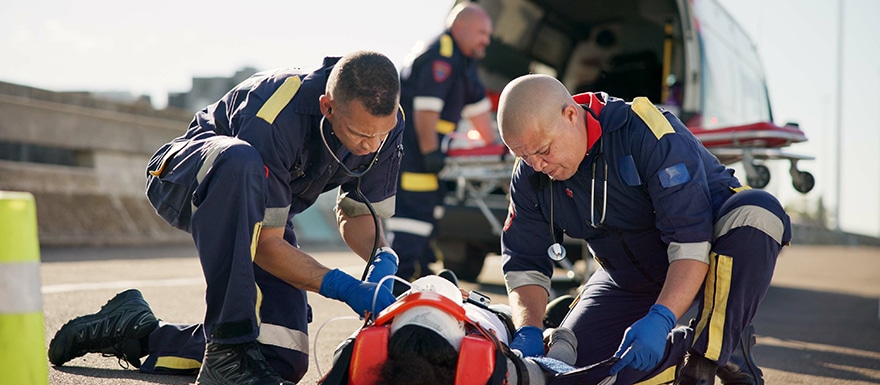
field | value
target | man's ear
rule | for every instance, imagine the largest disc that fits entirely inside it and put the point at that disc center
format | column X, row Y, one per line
column 326, row 104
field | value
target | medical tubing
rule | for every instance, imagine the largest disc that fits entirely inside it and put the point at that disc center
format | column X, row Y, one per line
column 373, row 253
column 379, row 286
column 318, row 332
column 357, row 190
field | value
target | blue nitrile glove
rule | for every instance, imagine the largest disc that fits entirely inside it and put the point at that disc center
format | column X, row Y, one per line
column 358, row 295
column 645, row 341
column 384, row 264
column 529, row 340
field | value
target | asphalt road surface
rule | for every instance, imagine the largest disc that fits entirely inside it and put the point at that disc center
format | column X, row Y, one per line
column 819, row 324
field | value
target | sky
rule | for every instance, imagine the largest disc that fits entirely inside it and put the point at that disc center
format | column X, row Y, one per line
column 157, row 47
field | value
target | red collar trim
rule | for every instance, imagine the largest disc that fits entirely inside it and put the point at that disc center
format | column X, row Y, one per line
column 594, row 130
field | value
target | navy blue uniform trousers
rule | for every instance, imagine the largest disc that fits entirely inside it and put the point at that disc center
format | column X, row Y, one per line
column 751, row 228
column 213, row 186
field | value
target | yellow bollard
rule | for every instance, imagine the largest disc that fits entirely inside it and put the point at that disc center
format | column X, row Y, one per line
column 22, row 333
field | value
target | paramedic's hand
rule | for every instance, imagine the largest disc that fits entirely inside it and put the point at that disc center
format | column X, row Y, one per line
column 358, row 295
column 434, row 161
column 645, row 341
column 385, row 264
column 529, row 340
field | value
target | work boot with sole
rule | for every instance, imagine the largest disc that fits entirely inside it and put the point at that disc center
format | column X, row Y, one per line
column 696, row 370
column 115, row 330
column 741, row 368
column 237, row 364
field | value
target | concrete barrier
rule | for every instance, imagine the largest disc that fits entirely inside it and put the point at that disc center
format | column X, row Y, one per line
column 22, row 330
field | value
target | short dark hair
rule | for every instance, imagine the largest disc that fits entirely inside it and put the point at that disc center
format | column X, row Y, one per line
column 417, row 355
column 369, row 77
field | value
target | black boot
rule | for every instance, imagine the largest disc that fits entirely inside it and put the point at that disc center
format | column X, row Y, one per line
column 741, row 368
column 114, row 330
column 696, row 370
column 238, row 364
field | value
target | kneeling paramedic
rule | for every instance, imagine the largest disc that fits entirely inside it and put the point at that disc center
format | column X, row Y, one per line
column 669, row 225
column 245, row 167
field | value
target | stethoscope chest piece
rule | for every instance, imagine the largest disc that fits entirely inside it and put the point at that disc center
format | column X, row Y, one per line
column 556, row 252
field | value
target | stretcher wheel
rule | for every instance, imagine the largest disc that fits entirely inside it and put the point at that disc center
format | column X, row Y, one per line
column 804, row 182
column 760, row 178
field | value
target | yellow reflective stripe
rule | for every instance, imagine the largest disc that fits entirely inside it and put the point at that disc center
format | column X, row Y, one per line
column 256, row 237
column 254, row 240
column 444, row 126
column 722, row 276
column 664, row 377
column 652, row 117
column 279, row 99
column 708, row 294
column 179, row 363
column 418, row 182
column 740, row 189
column 24, row 349
column 446, row 45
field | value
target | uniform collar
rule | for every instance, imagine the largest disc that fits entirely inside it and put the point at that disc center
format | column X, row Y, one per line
column 314, row 85
column 595, row 102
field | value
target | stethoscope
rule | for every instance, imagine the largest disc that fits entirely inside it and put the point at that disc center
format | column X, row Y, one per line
column 556, row 251
column 357, row 190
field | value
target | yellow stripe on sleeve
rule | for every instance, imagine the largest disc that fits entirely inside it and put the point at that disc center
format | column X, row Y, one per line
column 418, row 182
column 279, row 99
column 652, row 117
column 444, row 126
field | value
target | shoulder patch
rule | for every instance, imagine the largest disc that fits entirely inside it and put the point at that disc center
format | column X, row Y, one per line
column 441, row 70
column 446, row 45
column 652, row 117
column 279, row 99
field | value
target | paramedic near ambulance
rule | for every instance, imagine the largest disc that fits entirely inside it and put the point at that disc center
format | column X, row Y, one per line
column 668, row 224
column 439, row 87
column 245, row 167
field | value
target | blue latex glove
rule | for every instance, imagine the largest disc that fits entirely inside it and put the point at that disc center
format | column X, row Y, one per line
column 384, row 264
column 529, row 340
column 645, row 341
column 358, row 295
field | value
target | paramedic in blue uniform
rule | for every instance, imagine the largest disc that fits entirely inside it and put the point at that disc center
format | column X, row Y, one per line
column 668, row 224
column 439, row 87
column 245, row 167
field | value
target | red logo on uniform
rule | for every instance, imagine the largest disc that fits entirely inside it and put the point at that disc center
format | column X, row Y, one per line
column 441, row 71
column 511, row 211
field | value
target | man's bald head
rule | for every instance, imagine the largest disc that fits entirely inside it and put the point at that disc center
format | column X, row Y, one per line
column 465, row 12
column 471, row 28
column 529, row 103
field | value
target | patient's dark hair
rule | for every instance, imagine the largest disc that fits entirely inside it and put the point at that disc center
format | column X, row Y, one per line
column 417, row 355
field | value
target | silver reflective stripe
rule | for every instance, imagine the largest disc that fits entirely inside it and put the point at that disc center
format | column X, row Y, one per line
column 276, row 216
column 698, row 251
column 280, row 336
column 354, row 208
column 474, row 109
column 752, row 216
column 210, row 156
column 20, row 288
column 427, row 103
column 409, row 226
column 515, row 279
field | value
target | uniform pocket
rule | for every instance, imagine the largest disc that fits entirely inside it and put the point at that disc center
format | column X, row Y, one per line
column 171, row 200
